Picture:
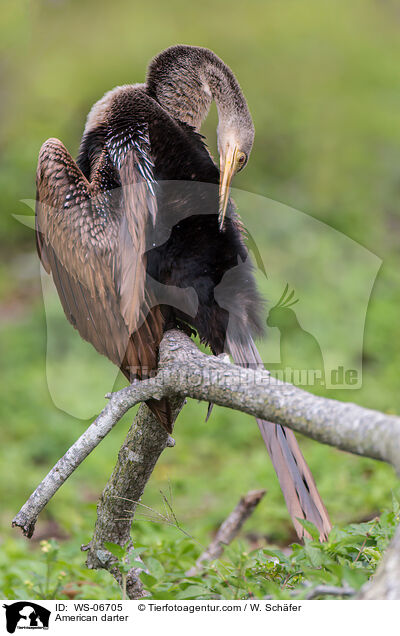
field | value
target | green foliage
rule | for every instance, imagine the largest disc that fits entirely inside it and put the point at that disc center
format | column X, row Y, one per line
column 348, row 558
column 50, row 571
column 125, row 560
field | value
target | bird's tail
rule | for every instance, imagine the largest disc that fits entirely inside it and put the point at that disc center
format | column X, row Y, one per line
column 297, row 483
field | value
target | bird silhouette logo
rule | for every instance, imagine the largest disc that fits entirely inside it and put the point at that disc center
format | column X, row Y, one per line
column 26, row 615
column 301, row 354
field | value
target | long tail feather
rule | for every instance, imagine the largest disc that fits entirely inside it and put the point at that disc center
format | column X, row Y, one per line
column 297, row 483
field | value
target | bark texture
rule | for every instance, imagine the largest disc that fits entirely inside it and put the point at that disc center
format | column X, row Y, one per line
column 137, row 457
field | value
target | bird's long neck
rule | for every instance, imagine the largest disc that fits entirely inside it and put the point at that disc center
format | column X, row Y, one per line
column 185, row 80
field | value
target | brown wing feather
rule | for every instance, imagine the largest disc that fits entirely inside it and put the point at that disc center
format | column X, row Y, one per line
column 137, row 195
column 78, row 250
column 93, row 244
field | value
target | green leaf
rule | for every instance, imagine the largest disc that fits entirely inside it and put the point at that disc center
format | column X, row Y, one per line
column 193, row 591
column 155, row 568
column 310, row 527
column 147, row 579
column 355, row 578
column 314, row 554
column 139, row 565
column 137, row 551
column 115, row 549
column 265, row 552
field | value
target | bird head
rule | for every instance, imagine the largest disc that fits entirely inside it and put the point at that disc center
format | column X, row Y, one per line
column 235, row 141
column 184, row 80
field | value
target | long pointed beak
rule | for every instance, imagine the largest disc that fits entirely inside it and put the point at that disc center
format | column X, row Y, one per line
column 227, row 170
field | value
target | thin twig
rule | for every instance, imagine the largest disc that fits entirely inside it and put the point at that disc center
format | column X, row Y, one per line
column 228, row 529
column 366, row 539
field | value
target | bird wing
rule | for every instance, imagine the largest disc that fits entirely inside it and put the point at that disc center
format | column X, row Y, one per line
column 91, row 239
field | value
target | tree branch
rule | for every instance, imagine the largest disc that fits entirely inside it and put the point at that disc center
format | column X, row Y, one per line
column 138, row 455
column 94, row 434
column 185, row 371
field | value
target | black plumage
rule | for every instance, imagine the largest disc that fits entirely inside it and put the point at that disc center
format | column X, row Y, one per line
column 138, row 238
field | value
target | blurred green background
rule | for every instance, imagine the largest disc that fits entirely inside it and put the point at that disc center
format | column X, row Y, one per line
column 322, row 80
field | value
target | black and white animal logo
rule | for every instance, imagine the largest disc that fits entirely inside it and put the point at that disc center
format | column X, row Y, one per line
column 26, row 615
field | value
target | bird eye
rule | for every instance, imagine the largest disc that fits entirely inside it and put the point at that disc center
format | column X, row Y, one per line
column 241, row 160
